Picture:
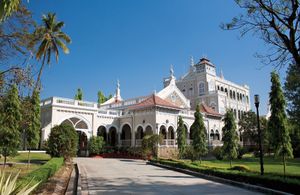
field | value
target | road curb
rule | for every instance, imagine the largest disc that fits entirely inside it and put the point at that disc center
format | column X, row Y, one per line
column 222, row 180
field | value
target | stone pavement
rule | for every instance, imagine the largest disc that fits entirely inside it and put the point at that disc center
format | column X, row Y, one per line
column 123, row 176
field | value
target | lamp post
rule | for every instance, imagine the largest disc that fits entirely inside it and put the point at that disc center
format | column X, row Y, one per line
column 256, row 100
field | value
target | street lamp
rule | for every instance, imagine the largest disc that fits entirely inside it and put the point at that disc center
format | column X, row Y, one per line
column 256, row 101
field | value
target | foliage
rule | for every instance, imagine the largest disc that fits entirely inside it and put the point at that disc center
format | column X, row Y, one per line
column 41, row 175
column 199, row 135
column 230, row 137
column 49, row 37
column 276, row 22
column 278, row 122
column 95, row 145
column 62, row 142
column 150, row 144
column 241, row 151
column 240, row 168
column 181, row 137
column 218, row 153
column 189, row 153
column 101, row 97
column 79, row 95
column 9, row 124
column 15, row 38
column 8, row 185
column 7, row 8
column 292, row 91
column 271, row 181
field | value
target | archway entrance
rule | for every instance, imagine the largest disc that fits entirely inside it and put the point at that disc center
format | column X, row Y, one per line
column 163, row 132
column 102, row 132
column 81, row 127
column 139, row 136
column 126, row 135
column 171, row 136
column 112, row 136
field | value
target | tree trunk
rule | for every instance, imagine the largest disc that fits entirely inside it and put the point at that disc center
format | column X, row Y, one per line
column 38, row 80
column 28, row 159
column 230, row 163
column 4, row 162
column 283, row 159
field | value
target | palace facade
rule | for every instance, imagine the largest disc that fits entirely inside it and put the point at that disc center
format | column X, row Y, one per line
column 125, row 122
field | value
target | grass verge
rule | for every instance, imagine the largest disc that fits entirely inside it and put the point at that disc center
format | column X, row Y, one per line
column 290, row 185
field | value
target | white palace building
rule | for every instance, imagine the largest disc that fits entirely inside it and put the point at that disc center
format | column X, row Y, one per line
column 125, row 122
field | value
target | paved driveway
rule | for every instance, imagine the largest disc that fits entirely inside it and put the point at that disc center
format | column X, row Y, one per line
column 121, row 176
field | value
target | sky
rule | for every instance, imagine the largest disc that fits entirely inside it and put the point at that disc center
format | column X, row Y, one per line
column 136, row 41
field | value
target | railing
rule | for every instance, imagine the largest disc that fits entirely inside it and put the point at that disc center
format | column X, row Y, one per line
column 189, row 141
column 138, row 142
column 126, row 142
column 168, row 142
column 216, row 143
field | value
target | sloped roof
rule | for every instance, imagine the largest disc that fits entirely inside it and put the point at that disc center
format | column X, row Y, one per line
column 208, row 110
column 153, row 101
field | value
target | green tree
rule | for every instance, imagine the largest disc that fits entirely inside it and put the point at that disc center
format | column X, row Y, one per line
column 63, row 142
column 33, row 132
column 292, row 91
column 95, row 145
column 276, row 22
column 78, row 95
column 49, row 38
column 278, row 121
column 150, row 144
column 181, row 137
column 9, row 124
column 109, row 97
column 199, row 135
column 230, row 138
column 101, row 97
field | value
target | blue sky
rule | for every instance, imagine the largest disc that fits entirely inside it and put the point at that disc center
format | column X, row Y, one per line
column 136, row 41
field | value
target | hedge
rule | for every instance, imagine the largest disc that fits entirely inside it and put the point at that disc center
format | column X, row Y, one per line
column 290, row 185
column 43, row 173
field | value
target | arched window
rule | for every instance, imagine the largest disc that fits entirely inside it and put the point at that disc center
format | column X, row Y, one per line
column 222, row 89
column 211, row 135
column 201, row 89
column 230, row 94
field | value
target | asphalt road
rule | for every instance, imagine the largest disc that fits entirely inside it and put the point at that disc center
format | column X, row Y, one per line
column 122, row 176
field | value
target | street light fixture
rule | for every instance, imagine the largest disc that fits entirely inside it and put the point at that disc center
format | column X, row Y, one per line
column 256, row 101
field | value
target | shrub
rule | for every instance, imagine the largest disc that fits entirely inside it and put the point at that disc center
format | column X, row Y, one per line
column 42, row 174
column 188, row 153
column 240, row 168
column 8, row 185
column 241, row 151
column 95, row 145
column 218, row 153
column 150, row 143
column 63, row 142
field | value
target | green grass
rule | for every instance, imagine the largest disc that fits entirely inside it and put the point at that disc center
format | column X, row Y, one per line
column 220, row 169
column 22, row 157
column 271, row 165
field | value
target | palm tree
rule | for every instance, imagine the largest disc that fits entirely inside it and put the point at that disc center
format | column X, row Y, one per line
column 50, row 38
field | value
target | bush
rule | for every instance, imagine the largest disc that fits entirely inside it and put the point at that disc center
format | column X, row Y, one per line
column 62, row 142
column 218, row 153
column 241, row 151
column 149, row 145
column 95, row 145
column 43, row 173
column 240, row 168
column 188, row 153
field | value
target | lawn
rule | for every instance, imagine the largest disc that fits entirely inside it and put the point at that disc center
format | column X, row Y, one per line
column 20, row 162
column 271, row 165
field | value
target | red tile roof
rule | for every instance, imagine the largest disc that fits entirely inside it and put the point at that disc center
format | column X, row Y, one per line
column 208, row 110
column 153, row 101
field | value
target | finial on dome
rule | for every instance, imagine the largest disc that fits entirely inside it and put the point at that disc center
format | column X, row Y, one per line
column 192, row 61
column 171, row 71
column 221, row 74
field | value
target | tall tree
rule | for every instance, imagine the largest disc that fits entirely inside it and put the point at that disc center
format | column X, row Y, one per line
column 230, row 137
column 181, row 136
column 276, row 22
column 49, row 38
column 278, row 121
column 101, row 97
column 292, row 91
column 79, row 95
column 9, row 124
column 199, row 135
column 33, row 132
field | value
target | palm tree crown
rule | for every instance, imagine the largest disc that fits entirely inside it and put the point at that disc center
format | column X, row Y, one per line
column 50, row 38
